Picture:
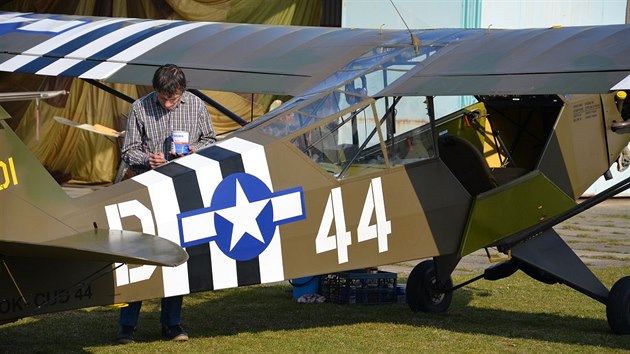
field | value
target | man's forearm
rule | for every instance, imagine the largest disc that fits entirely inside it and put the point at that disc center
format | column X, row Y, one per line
column 136, row 158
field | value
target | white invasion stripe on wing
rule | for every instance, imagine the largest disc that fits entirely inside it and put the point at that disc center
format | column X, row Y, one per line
column 53, row 43
column 59, row 40
column 118, row 61
column 50, row 25
column 255, row 163
column 15, row 17
column 58, row 67
column 98, row 45
column 165, row 210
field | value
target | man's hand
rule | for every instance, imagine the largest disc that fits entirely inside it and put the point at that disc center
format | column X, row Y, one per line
column 156, row 160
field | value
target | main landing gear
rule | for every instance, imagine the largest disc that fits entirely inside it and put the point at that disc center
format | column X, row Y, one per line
column 423, row 293
column 540, row 253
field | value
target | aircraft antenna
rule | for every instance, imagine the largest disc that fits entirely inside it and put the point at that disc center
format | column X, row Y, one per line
column 414, row 41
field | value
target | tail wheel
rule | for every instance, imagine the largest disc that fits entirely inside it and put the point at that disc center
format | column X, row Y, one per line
column 618, row 307
column 422, row 292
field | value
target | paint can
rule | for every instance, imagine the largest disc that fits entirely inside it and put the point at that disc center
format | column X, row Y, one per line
column 179, row 142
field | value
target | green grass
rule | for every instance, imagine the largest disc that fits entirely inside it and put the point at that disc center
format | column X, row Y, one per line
column 512, row 315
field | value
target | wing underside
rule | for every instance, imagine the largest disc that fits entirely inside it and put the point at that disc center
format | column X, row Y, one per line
column 102, row 245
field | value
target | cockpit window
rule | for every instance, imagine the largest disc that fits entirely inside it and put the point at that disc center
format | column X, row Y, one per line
column 337, row 143
column 342, row 131
column 347, row 132
column 312, row 113
column 407, row 132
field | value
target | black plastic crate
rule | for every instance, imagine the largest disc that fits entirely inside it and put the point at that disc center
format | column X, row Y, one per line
column 359, row 287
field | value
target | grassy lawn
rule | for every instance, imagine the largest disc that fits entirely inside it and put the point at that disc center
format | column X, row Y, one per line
column 513, row 315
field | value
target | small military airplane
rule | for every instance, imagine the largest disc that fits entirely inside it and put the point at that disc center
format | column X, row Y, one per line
column 339, row 177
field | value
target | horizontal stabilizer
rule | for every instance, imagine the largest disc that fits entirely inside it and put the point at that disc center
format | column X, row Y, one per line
column 103, row 246
column 26, row 96
column 96, row 128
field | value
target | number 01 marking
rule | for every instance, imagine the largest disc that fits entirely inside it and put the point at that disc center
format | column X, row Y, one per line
column 341, row 239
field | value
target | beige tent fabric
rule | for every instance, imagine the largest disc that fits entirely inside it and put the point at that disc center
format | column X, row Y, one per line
column 285, row 12
column 91, row 158
column 208, row 10
column 86, row 157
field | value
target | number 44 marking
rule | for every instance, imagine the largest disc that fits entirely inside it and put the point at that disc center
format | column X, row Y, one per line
column 374, row 203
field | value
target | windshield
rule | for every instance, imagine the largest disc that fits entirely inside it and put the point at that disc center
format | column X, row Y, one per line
column 339, row 124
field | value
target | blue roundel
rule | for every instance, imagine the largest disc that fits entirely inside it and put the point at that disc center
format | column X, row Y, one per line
column 252, row 191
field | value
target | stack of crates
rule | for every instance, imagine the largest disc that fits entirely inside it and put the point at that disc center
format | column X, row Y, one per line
column 359, row 287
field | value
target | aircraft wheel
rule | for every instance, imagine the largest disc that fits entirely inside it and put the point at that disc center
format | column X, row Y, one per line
column 422, row 294
column 618, row 307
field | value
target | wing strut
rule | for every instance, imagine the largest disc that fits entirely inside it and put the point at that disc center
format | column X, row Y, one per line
column 233, row 116
column 195, row 92
column 109, row 90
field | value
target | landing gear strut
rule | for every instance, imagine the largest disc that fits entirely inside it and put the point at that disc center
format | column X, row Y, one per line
column 424, row 293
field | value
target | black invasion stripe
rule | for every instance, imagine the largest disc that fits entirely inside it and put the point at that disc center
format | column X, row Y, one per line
column 189, row 198
column 230, row 161
column 248, row 272
column 186, row 186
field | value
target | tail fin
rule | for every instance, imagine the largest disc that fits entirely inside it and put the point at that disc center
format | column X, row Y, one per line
column 29, row 196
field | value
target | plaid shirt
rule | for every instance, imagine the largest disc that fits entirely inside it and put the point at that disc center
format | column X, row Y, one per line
column 149, row 128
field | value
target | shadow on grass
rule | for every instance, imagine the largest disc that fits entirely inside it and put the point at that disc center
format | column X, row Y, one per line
column 270, row 308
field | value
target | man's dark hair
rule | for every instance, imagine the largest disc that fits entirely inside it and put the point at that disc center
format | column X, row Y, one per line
column 169, row 79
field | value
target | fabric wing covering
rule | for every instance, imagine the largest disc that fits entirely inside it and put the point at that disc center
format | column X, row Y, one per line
column 531, row 61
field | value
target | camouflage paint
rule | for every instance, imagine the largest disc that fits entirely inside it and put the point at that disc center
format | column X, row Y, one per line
column 510, row 208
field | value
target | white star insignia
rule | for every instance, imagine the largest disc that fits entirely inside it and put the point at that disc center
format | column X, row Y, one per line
column 243, row 216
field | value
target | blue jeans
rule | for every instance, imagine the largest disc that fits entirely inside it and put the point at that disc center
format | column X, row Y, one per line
column 170, row 316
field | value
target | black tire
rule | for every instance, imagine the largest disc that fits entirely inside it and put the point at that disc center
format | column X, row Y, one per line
column 422, row 294
column 618, row 307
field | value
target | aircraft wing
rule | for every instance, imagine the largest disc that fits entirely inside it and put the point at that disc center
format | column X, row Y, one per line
column 103, row 245
column 216, row 56
column 528, row 61
column 290, row 60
